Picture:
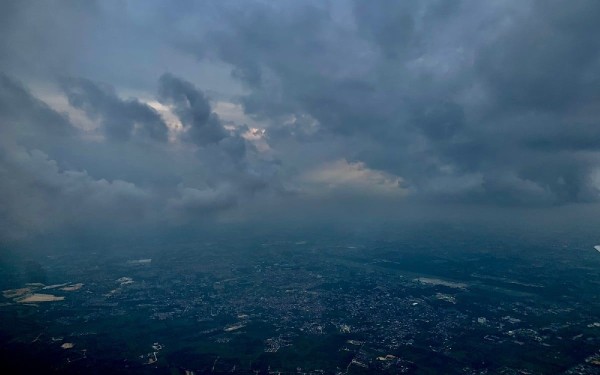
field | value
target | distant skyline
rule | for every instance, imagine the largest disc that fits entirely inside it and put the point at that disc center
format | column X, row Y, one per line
column 144, row 113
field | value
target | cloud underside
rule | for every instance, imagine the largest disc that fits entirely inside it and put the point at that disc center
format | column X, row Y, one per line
column 148, row 112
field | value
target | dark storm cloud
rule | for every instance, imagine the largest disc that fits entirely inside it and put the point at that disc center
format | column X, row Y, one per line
column 119, row 118
column 43, row 38
column 448, row 91
column 52, row 178
column 466, row 102
column 440, row 121
column 548, row 61
column 26, row 115
column 193, row 109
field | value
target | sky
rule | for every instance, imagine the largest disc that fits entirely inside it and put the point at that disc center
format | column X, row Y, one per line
column 192, row 113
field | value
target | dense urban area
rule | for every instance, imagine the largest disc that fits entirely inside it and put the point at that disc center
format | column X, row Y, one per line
column 401, row 304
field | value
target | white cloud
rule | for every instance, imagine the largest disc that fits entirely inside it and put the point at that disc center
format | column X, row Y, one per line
column 166, row 112
column 232, row 112
column 355, row 178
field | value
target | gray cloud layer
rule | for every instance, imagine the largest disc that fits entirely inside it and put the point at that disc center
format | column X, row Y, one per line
column 448, row 91
column 118, row 117
column 455, row 101
column 134, row 177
